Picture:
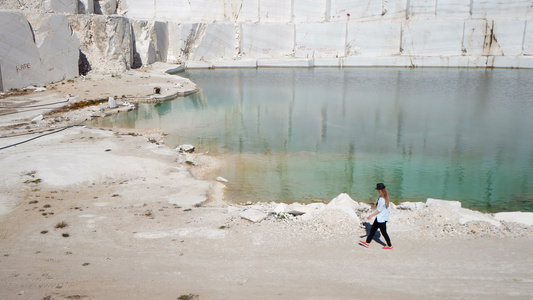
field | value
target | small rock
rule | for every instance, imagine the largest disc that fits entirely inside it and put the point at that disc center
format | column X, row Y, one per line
column 221, row 179
column 186, row 148
column 37, row 119
column 111, row 103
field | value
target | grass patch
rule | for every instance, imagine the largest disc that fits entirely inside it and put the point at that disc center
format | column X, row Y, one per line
column 61, row 225
column 36, row 181
column 188, row 297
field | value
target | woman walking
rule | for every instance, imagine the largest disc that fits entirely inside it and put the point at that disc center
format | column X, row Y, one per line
column 382, row 213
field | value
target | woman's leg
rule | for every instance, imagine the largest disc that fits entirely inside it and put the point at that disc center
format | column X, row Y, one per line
column 383, row 229
column 373, row 230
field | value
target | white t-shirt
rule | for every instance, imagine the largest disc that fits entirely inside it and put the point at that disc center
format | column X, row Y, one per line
column 384, row 213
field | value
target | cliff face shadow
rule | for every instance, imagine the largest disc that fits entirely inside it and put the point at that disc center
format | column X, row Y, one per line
column 377, row 236
column 83, row 64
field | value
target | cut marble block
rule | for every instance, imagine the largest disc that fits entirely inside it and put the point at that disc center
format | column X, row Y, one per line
column 432, row 38
column 320, row 40
column 309, row 11
column 217, row 42
column 275, row 11
column 373, row 39
column 502, row 9
column 453, row 9
column 267, row 40
column 422, row 9
column 510, row 36
column 173, row 9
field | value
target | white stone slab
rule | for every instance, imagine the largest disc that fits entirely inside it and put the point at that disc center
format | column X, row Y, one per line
column 308, row 11
column 267, row 40
column 453, row 9
column 286, row 63
column 218, row 43
column 432, row 38
column 502, row 9
column 275, row 11
column 253, row 215
column 19, row 58
column 510, row 36
column 373, row 39
column 422, row 9
column 320, row 40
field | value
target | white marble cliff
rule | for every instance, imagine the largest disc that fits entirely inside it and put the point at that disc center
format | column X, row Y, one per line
column 50, row 40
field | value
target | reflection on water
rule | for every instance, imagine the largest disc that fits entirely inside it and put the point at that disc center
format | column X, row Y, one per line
column 304, row 134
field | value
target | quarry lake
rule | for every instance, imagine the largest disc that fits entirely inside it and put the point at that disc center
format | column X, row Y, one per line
column 304, row 135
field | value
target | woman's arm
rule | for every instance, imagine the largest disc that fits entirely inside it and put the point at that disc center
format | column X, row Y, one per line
column 373, row 215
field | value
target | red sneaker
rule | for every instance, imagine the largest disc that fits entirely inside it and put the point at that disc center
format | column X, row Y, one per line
column 364, row 244
column 388, row 248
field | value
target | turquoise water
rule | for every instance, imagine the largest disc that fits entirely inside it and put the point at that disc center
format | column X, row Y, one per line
column 307, row 134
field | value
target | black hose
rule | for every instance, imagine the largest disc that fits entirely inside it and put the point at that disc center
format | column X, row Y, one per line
column 39, row 136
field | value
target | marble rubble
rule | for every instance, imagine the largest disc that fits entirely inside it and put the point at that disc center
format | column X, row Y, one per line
column 73, row 37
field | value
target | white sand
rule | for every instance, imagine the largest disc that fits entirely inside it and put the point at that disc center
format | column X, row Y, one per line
column 136, row 231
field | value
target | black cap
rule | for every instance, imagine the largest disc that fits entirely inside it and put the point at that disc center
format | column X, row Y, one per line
column 380, row 186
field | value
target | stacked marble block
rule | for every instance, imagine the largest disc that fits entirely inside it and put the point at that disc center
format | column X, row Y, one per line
column 305, row 33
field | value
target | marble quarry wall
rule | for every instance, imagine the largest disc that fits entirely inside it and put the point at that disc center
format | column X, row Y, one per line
column 50, row 40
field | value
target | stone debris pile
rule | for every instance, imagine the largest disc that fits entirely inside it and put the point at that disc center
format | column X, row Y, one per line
column 433, row 219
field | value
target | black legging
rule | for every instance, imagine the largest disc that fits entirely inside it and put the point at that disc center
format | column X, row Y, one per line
column 383, row 228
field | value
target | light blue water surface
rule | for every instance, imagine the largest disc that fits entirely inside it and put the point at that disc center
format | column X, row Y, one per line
column 307, row 134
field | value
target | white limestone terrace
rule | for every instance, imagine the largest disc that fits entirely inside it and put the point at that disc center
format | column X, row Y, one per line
column 51, row 40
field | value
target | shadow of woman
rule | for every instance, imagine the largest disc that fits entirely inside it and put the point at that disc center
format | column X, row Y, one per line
column 377, row 236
